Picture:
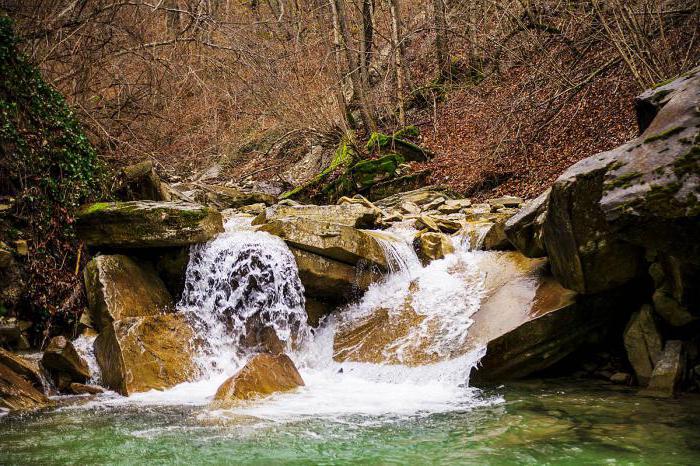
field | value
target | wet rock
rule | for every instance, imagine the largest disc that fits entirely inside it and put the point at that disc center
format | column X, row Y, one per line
column 607, row 209
column 432, row 246
column 138, row 354
column 83, row 389
column 60, row 357
column 330, row 279
column 262, row 338
column 621, row 378
column 25, row 368
column 316, row 310
column 677, row 296
column 263, row 375
column 117, row 288
column 17, row 393
column 355, row 215
column 339, row 242
column 145, row 224
column 668, row 372
column 524, row 229
column 253, row 209
column 643, row 343
column 420, row 197
column 495, row 237
column 140, row 182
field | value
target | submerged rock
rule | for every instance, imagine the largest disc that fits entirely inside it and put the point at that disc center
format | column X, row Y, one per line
column 351, row 214
column 263, row 375
column 338, row 242
column 643, row 343
column 138, row 354
column 117, row 288
column 145, row 224
column 60, row 357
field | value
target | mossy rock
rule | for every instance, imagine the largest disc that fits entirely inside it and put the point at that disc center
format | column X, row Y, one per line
column 383, row 143
column 145, row 224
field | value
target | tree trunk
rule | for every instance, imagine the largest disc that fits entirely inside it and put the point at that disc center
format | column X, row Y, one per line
column 442, row 54
column 367, row 34
column 396, row 43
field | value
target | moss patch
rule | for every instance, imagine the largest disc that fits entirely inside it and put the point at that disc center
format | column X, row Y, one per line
column 665, row 134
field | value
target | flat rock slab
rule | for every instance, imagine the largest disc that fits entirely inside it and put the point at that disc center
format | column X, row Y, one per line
column 340, row 242
column 146, row 224
column 353, row 215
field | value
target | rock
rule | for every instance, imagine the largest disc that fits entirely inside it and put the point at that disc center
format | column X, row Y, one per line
column 402, row 183
column 643, row 343
column 452, row 206
column 25, row 368
column 6, row 259
column 83, row 389
column 16, row 393
column 524, row 229
column 138, row 354
column 21, row 247
column 253, row 209
column 146, row 224
column 495, row 237
column 606, row 210
column 432, row 246
column 330, row 279
column 677, row 296
column 225, row 197
column 505, row 201
column 13, row 333
column 419, row 197
column 668, row 372
column 409, row 208
column 140, row 182
column 434, row 204
column 426, row 222
column 118, row 288
column 263, row 375
column 262, row 338
column 171, row 265
column 316, row 310
column 354, row 215
column 340, row 242
column 622, row 378
column 60, row 357
column 357, row 199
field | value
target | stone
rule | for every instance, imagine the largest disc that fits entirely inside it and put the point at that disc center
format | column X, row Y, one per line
column 668, row 372
column 643, row 343
column 495, row 237
column 676, row 296
column 524, row 229
column 12, row 334
column 253, row 209
column 224, row 197
column 21, row 247
column 355, row 215
column 405, row 182
column 339, row 242
column 25, row 368
column 330, row 279
column 6, row 259
column 408, row 207
column 316, row 311
column 17, row 393
column 61, row 357
column 140, row 182
column 263, row 375
column 84, row 389
column 426, row 222
column 434, row 204
column 431, row 246
column 147, row 224
column 118, row 288
column 452, row 206
column 505, row 201
column 419, row 197
column 605, row 211
column 137, row 354
column 622, row 378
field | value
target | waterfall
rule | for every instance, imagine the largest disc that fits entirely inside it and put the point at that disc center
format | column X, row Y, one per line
column 242, row 291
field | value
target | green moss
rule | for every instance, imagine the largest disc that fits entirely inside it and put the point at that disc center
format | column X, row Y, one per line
column 687, row 163
column 92, row 208
column 665, row 134
column 407, row 132
column 663, row 83
column 622, row 181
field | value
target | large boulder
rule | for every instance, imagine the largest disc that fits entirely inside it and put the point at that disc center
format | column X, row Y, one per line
column 140, row 182
column 330, row 279
column 118, row 288
column 225, row 197
column 263, row 375
column 146, row 224
column 25, row 368
column 339, row 242
column 138, row 354
column 350, row 214
column 607, row 210
column 524, row 229
column 643, row 343
column 17, row 393
column 64, row 363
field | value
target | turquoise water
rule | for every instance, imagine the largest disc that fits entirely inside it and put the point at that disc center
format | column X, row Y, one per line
column 554, row 422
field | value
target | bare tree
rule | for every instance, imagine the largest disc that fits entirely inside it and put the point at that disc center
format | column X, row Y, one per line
column 442, row 54
column 397, row 45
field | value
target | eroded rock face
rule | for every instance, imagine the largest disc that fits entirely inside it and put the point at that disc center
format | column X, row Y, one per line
column 643, row 343
column 263, row 375
column 17, row 393
column 117, row 288
column 351, row 214
column 25, row 368
column 137, row 354
column 524, row 229
column 606, row 210
column 338, row 242
column 60, row 357
column 145, row 224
